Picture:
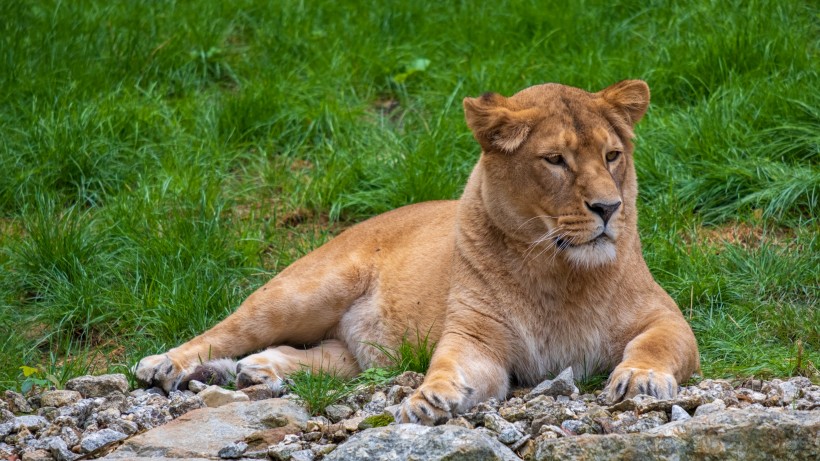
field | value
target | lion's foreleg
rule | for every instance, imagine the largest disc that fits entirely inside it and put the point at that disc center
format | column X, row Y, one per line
column 663, row 355
column 467, row 368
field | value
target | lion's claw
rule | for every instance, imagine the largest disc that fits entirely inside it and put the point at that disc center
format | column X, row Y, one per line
column 627, row 382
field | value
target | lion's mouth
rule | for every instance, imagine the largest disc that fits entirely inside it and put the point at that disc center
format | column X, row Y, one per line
column 600, row 238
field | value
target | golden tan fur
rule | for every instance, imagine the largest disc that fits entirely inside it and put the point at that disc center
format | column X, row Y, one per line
column 536, row 267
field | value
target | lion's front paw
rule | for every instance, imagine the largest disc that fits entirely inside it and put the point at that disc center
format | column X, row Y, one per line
column 627, row 382
column 159, row 370
column 433, row 403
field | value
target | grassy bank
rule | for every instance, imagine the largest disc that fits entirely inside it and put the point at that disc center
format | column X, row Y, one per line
column 160, row 160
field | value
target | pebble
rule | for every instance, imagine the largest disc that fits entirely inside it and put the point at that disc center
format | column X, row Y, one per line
column 705, row 409
column 99, row 439
column 233, row 450
column 59, row 398
column 562, row 385
column 215, row 396
column 337, row 413
column 679, row 414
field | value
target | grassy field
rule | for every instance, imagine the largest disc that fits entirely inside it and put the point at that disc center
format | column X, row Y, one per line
column 159, row 160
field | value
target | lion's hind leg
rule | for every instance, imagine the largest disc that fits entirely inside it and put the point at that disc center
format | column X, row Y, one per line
column 272, row 365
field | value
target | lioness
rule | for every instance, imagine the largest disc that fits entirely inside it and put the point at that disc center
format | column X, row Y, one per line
column 536, row 267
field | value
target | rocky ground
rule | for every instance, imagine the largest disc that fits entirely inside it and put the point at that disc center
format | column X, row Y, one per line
column 98, row 417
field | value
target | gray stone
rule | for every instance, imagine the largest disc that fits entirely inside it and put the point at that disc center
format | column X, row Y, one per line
column 203, row 432
column 705, row 409
column 17, row 403
column 59, row 449
column 337, row 413
column 411, row 441
column 506, row 431
column 302, row 455
column 31, row 422
column 100, row 439
column 377, row 403
column 6, row 428
column 59, row 398
column 283, row 451
column 98, row 386
column 563, row 384
column 735, row 434
column 215, row 396
column 233, row 450
column 679, row 414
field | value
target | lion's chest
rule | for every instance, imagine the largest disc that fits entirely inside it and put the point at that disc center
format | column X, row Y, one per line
column 559, row 337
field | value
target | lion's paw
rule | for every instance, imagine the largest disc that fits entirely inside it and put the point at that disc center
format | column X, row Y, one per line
column 251, row 371
column 159, row 370
column 627, row 382
column 433, row 403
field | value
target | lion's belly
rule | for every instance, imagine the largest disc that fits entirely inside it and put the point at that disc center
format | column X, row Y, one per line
column 406, row 296
column 548, row 346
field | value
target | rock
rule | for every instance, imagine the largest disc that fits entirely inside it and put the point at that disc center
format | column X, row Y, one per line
column 679, row 414
column 100, row 439
column 410, row 379
column 37, row 455
column 705, row 409
column 203, row 432
column 17, row 403
column 337, row 413
column 735, row 434
column 196, row 386
column 397, row 393
column 98, row 386
column 259, row 392
column 377, row 403
column 506, row 431
column 563, row 384
column 215, row 396
column 59, row 398
column 233, row 450
column 283, row 451
column 411, row 441
column 352, row 424
column 302, row 455
column 31, row 422
column 6, row 428
column 59, row 449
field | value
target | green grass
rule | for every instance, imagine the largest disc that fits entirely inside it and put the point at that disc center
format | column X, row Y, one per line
column 162, row 159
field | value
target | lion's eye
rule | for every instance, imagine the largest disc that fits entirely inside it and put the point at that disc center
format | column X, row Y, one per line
column 613, row 155
column 555, row 159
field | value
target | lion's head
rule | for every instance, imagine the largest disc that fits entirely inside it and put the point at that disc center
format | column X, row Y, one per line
column 558, row 161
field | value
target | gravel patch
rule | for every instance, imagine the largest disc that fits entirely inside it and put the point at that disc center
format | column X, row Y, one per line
column 65, row 425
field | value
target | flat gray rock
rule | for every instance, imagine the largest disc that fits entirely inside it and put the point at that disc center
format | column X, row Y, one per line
column 98, row 386
column 203, row 432
column 411, row 441
column 750, row 434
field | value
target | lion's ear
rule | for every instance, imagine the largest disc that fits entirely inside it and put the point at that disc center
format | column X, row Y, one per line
column 496, row 127
column 630, row 97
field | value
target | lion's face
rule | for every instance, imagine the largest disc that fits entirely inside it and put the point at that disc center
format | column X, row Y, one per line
column 559, row 168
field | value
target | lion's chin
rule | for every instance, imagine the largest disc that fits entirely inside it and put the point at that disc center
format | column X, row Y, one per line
column 598, row 252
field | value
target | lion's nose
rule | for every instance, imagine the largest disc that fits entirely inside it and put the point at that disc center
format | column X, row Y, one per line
column 604, row 210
